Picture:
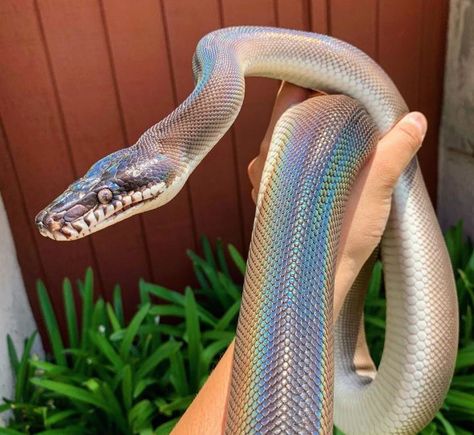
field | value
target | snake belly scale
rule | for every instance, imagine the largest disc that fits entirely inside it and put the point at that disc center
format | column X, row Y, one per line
column 286, row 363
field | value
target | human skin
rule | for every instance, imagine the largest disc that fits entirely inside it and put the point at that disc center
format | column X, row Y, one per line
column 364, row 221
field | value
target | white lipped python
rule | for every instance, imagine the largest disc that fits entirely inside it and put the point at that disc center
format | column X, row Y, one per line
column 289, row 359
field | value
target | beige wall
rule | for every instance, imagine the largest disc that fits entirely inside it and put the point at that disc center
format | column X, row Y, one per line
column 456, row 163
column 15, row 313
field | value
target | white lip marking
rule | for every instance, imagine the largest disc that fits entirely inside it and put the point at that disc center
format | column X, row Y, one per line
column 127, row 200
column 109, row 210
column 137, row 196
column 69, row 231
column 90, row 218
column 99, row 214
column 80, row 225
column 117, row 205
column 147, row 194
column 59, row 236
column 157, row 188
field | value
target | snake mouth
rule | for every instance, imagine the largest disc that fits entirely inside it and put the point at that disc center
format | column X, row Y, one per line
column 79, row 221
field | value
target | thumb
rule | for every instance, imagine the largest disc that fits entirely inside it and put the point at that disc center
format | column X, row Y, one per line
column 396, row 149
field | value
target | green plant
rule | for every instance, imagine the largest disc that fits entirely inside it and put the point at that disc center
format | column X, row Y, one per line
column 108, row 375
column 148, row 370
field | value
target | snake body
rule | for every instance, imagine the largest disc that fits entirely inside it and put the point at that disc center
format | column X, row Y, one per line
column 283, row 369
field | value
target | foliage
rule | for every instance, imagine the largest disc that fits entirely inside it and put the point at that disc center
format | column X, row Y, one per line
column 109, row 375
column 115, row 376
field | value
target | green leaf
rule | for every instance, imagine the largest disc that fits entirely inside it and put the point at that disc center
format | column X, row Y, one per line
column 50, row 368
column 212, row 276
column 193, row 332
column 228, row 317
column 463, row 381
column 237, row 258
column 164, row 351
column 208, row 254
column 142, row 384
column 132, row 330
column 118, row 305
column 71, row 430
column 167, row 310
column 51, row 324
column 217, row 335
column 58, row 417
column 99, row 316
column 465, row 358
column 140, row 416
column 177, row 299
column 446, row 424
column 113, row 319
column 221, row 258
column 178, row 374
column 166, row 428
column 375, row 282
column 116, row 410
column 22, row 373
column 12, row 355
column 461, row 399
column 179, row 404
column 5, row 407
column 87, row 306
column 74, row 393
column 106, row 349
column 8, row 431
column 210, row 352
column 71, row 316
column 375, row 321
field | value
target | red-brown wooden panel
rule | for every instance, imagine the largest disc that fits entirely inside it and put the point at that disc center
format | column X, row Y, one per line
column 253, row 119
column 319, row 11
column 400, row 54
column 35, row 135
column 292, row 14
column 213, row 186
column 138, row 44
column 76, row 41
column 399, row 45
column 355, row 22
column 430, row 97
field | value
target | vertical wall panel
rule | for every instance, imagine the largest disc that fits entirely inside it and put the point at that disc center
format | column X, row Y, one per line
column 400, row 45
column 430, row 82
column 355, row 22
column 35, row 135
column 319, row 11
column 213, row 186
column 140, row 57
column 253, row 119
column 405, row 50
column 81, row 66
column 293, row 14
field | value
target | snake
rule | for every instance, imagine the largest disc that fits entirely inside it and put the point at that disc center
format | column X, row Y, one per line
column 295, row 368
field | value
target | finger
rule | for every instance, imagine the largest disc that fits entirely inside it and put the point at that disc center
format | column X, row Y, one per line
column 287, row 96
column 396, row 149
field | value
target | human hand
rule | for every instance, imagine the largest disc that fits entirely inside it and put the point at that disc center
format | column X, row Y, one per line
column 369, row 202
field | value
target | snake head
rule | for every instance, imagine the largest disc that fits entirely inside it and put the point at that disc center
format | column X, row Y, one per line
column 116, row 187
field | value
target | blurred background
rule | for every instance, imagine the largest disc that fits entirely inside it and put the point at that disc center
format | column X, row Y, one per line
column 80, row 79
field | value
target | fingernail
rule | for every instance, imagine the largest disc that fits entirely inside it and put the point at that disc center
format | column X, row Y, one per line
column 418, row 120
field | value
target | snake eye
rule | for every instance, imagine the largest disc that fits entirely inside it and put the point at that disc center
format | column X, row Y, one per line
column 105, row 196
